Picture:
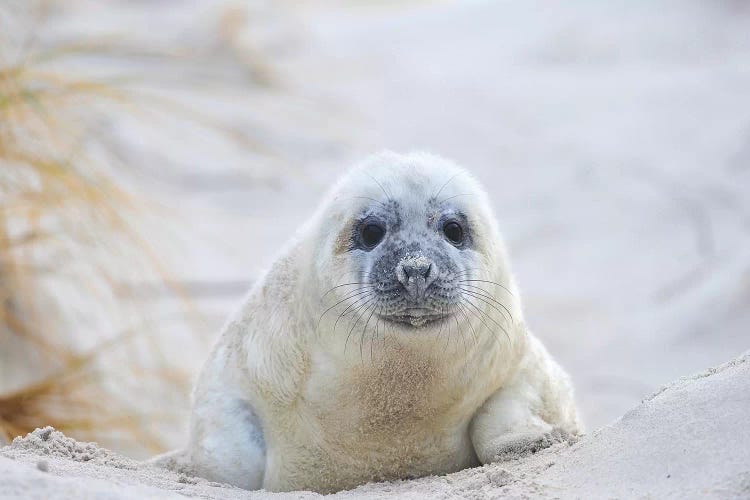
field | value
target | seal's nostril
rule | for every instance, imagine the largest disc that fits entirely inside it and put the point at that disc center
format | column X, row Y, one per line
column 416, row 274
column 416, row 268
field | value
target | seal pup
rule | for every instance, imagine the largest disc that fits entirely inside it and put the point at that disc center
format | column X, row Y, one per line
column 387, row 341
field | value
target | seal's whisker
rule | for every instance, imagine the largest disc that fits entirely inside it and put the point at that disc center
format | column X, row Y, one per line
column 442, row 324
column 491, row 282
column 492, row 333
column 465, row 283
column 387, row 195
column 461, row 308
column 448, row 337
column 353, row 293
column 489, row 317
column 362, row 307
column 345, row 284
column 484, row 303
column 369, row 198
column 364, row 328
column 489, row 299
column 365, row 274
column 374, row 337
column 440, row 202
column 461, row 333
column 464, row 273
column 349, row 295
column 385, row 333
column 435, row 196
column 356, row 304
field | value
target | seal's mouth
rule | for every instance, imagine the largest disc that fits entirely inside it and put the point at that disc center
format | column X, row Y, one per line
column 415, row 317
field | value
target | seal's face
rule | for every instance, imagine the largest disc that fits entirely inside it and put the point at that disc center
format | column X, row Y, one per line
column 414, row 237
column 413, row 262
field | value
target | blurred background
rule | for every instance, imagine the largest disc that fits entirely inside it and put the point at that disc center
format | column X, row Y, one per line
column 155, row 155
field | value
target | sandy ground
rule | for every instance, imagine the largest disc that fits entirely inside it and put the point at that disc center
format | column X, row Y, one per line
column 689, row 439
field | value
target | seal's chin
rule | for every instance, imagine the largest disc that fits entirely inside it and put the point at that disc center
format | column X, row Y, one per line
column 416, row 317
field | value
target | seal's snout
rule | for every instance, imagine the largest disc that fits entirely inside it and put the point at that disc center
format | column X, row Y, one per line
column 416, row 274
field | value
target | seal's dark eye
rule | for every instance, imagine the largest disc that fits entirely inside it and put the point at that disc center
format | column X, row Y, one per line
column 372, row 234
column 454, row 232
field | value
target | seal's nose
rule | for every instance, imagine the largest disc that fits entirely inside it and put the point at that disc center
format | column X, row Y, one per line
column 416, row 274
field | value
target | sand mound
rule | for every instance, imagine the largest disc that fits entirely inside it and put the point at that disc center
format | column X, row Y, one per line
column 688, row 439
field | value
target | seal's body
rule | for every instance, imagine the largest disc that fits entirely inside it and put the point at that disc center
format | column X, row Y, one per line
column 386, row 342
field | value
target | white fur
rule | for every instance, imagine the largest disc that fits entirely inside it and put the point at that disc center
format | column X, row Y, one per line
column 287, row 402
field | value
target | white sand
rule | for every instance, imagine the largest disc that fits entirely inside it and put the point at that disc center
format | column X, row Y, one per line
column 690, row 439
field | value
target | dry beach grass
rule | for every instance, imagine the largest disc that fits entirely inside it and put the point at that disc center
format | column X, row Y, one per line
column 65, row 219
column 73, row 352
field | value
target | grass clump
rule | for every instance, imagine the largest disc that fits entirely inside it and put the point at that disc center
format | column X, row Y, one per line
column 72, row 353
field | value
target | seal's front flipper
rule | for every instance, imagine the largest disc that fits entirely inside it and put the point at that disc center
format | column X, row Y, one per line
column 533, row 411
column 175, row 460
column 520, row 444
column 226, row 445
column 227, row 442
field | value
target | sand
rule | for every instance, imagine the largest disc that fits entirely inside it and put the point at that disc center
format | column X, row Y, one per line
column 691, row 438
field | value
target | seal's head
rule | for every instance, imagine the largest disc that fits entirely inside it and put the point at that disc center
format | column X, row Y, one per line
column 414, row 244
